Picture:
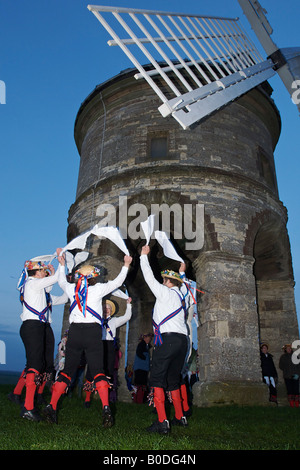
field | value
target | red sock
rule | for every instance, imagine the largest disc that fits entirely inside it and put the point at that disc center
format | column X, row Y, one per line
column 184, row 396
column 159, row 402
column 176, row 397
column 41, row 387
column 20, row 385
column 88, row 396
column 30, row 391
column 57, row 391
column 102, row 389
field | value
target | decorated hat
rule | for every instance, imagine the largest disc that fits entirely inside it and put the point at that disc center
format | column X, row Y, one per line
column 111, row 304
column 288, row 345
column 87, row 271
column 171, row 275
column 30, row 265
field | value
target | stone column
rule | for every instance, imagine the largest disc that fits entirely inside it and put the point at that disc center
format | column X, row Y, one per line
column 228, row 337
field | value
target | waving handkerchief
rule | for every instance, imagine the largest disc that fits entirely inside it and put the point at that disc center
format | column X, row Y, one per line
column 72, row 261
column 78, row 242
column 45, row 258
column 119, row 293
column 167, row 246
column 148, row 226
column 113, row 234
column 81, row 257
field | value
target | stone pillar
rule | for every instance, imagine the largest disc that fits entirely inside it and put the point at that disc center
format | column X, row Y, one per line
column 228, row 338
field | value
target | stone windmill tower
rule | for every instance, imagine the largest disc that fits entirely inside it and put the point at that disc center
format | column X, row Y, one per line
column 132, row 156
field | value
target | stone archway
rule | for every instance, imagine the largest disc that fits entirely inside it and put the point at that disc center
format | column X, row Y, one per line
column 274, row 279
column 268, row 241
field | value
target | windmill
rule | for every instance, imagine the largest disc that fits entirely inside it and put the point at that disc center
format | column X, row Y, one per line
column 198, row 64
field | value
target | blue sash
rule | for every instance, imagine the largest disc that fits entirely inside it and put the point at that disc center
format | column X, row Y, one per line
column 96, row 315
column 157, row 333
column 43, row 315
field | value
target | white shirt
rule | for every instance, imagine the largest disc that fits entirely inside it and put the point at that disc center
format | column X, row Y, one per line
column 167, row 301
column 116, row 322
column 59, row 300
column 94, row 297
column 35, row 296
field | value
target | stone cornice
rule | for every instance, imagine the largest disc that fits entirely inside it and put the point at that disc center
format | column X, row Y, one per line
column 190, row 172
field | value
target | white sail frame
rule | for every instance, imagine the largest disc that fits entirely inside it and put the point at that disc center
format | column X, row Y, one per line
column 197, row 63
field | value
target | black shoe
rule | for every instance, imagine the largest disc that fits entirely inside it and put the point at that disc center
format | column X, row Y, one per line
column 187, row 413
column 179, row 422
column 50, row 414
column 40, row 400
column 161, row 428
column 107, row 417
column 14, row 398
column 31, row 415
column 87, row 404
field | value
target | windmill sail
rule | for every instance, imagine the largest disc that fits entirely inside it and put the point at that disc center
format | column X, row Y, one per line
column 286, row 60
column 197, row 64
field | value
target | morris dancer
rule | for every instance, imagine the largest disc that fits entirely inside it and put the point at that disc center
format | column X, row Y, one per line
column 85, row 332
column 170, row 342
column 35, row 331
column 48, row 368
column 110, row 325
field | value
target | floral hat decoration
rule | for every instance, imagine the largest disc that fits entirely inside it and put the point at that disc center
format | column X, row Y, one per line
column 87, row 271
column 171, row 274
column 31, row 265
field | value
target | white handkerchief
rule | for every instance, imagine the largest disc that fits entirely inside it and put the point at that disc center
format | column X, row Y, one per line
column 78, row 242
column 44, row 258
column 167, row 246
column 148, row 226
column 113, row 234
column 70, row 261
column 81, row 257
column 119, row 293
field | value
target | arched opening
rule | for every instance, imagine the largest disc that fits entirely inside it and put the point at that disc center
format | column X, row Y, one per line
column 274, row 285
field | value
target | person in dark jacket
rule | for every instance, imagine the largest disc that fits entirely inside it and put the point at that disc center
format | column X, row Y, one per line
column 141, row 367
column 291, row 374
column 269, row 371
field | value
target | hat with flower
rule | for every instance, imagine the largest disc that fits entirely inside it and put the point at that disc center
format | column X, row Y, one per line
column 171, row 275
column 31, row 265
column 87, row 271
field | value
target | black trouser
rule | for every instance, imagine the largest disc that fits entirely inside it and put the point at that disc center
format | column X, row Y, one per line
column 85, row 337
column 292, row 386
column 109, row 356
column 38, row 340
column 140, row 377
column 167, row 361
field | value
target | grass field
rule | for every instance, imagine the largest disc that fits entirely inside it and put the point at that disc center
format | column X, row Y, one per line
column 215, row 428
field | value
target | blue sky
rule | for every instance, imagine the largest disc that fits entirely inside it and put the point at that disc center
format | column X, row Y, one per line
column 53, row 53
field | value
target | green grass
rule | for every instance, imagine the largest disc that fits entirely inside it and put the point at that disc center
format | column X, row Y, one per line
column 215, row 428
